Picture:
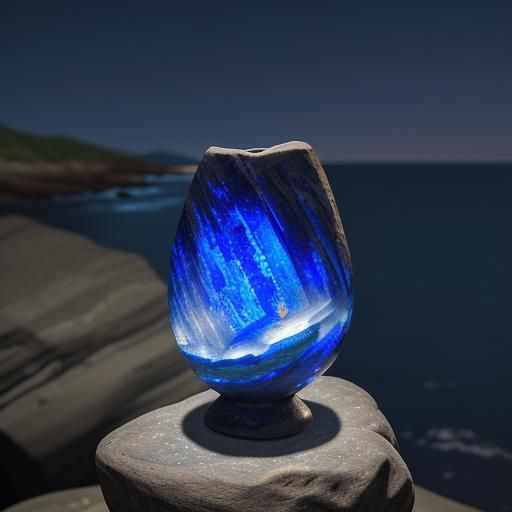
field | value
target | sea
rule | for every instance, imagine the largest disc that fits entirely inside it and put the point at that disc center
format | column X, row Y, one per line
column 431, row 333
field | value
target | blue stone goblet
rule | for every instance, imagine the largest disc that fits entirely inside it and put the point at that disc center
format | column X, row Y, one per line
column 260, row 292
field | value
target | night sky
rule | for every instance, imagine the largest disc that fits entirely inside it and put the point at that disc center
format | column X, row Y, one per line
column 381, row 80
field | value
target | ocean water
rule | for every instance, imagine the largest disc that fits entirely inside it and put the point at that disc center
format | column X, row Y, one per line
column 430, row 337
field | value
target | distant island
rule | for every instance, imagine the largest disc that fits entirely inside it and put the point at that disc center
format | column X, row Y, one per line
column 33, row 166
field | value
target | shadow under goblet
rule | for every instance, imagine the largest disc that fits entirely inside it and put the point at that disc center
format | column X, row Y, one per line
column 324, row 427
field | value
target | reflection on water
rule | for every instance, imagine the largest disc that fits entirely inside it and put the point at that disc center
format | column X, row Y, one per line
column 431, row 248
column 447, row 439
column 138, row 205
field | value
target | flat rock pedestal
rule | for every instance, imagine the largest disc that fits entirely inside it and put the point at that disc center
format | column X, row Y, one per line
column 347, row 460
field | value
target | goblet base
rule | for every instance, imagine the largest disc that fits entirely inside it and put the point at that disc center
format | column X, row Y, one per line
column 247, row 420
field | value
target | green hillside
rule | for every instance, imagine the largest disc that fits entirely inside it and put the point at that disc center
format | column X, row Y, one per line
column 18, row 146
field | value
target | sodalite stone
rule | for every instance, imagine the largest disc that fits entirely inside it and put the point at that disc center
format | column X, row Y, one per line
column 260, row 290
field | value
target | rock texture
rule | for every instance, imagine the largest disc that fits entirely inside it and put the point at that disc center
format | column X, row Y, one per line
column 90, row 499
column 85, row 346
column 347, row 460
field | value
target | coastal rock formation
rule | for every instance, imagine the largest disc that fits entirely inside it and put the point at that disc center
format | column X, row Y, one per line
column 33, row 166
column 29, row 180
column 346, row 460
column 85, row 345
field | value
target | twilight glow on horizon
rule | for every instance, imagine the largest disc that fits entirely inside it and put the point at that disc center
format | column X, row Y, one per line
column 361, row 81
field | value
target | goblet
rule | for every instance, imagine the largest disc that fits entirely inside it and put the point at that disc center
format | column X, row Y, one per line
column 260, row 292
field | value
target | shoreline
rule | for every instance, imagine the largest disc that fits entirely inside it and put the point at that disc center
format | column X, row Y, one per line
column 23, row 180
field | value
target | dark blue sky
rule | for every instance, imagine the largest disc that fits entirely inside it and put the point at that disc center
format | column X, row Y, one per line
column 429, row 80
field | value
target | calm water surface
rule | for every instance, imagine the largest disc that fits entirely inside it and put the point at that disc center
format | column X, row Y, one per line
column 430, row 338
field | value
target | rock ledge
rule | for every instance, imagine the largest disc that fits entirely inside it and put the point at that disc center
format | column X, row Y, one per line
column 347, row 460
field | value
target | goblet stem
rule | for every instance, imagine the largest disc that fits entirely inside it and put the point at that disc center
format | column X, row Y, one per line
column 254, row 420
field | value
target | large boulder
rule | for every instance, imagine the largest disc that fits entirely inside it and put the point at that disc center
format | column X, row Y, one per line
column 167, row 460
column 85, row 346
